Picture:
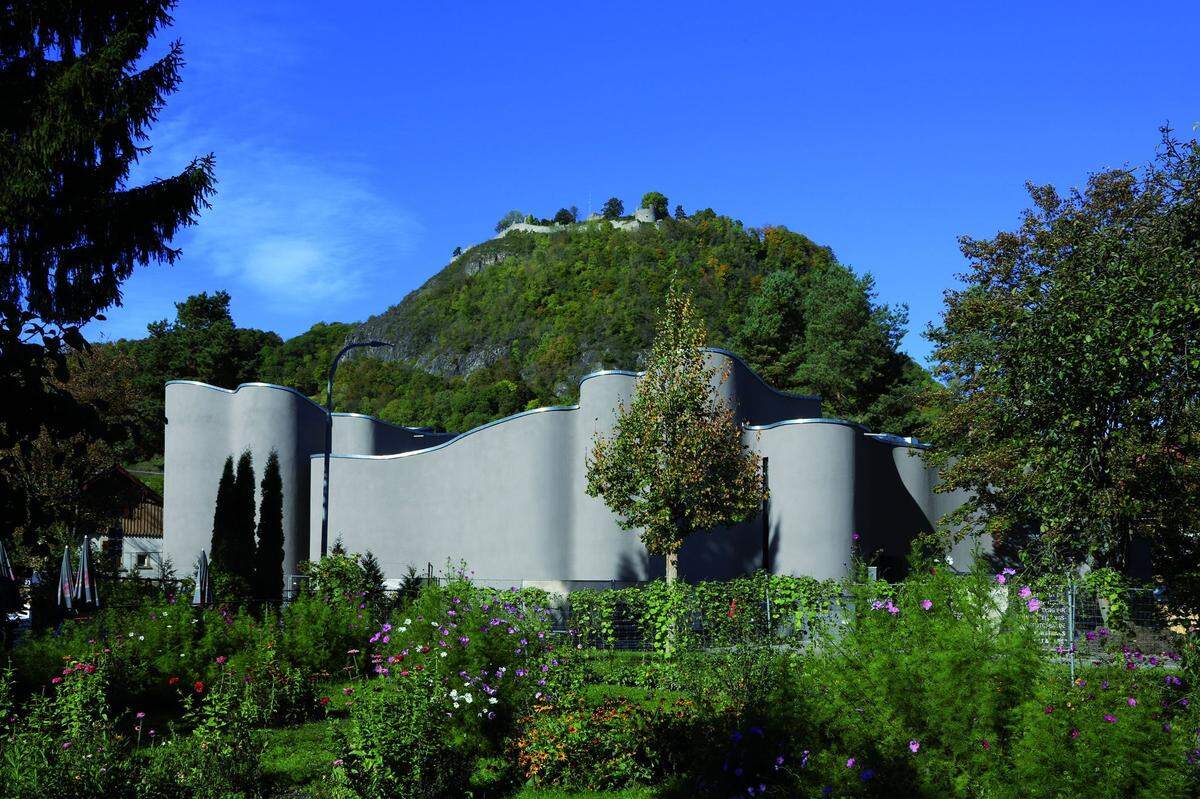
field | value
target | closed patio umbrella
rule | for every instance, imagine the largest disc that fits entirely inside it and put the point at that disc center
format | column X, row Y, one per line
column 87, row 594
column 8, row 584
column 201, row 595
column 66, row 583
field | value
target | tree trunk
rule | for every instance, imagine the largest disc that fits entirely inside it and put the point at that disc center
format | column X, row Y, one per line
column 672, row 567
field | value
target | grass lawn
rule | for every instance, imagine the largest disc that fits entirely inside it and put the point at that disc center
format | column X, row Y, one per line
column 297, row 756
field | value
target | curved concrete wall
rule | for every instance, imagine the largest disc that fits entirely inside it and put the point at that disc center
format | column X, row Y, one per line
column 509, row 497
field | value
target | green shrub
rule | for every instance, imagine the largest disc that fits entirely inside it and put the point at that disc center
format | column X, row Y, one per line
column 397, row 744
column 617, row 744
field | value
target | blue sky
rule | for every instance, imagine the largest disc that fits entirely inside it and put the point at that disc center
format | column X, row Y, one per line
column 357, row 144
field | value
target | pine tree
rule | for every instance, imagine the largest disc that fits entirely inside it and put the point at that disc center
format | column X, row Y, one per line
column 268, row 564
column 78, row 95
column 218, row 549
column 241, row 546
column 676, row 463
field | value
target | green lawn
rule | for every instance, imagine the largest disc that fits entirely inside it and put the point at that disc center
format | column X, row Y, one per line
column 297, row 756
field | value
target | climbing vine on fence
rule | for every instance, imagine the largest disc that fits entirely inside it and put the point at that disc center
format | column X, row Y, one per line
column 680, row 616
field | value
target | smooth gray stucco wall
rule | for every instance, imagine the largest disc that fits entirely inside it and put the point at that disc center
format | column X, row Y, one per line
column 509, row 499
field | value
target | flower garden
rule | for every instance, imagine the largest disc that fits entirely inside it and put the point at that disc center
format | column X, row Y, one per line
column 940, row 686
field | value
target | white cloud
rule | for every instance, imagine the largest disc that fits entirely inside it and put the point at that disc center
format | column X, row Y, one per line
column 300, row 236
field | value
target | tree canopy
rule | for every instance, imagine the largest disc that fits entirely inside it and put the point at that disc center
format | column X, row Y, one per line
column 1071, row 358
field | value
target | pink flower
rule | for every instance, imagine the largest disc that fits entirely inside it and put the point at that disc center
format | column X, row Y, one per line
column 221, row 660
column 926, row 604
column 56, row 680
column 1025, row 592
column 1034, row 605
column 1131, row 702
column 1000, row 578
column 850, row 763
column 139, row 715
column 914, row 745
column 1074, row 734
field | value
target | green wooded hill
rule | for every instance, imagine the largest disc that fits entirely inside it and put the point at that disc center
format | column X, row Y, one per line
column 513, row 323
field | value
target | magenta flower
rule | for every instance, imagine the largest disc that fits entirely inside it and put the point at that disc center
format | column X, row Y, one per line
column 914, row 745
column 926, row 604
column 1002, row 579
column 139, row 715
column 221, row 660
column 1033, row 604
column 849, row 763
column 1025, row 592
column 1110, row 718
column 1074, row 734
column 1131, row 702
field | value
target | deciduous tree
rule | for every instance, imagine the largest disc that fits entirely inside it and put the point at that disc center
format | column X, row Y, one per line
column 613, row 208
column 676, row 463
column 1072, row 362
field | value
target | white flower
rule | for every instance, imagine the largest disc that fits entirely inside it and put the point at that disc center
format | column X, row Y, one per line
column 492, row 700
column 442, row 653
column 408, row 621
column 468, row 699
column 141, row 638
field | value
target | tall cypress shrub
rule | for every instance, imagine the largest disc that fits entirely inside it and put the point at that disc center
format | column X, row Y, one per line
column 241, row 540
column 268, row 565
column 222, row 514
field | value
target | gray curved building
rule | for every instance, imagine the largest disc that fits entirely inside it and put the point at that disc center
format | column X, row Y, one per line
column 508, row 497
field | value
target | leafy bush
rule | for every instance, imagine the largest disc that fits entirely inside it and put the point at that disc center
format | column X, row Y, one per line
column 617, row 744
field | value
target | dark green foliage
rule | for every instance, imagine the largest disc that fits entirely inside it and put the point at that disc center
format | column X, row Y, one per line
column 1072, row 359
column 268, row 561
column 613, row 208
column 219, row 551
column 303, row 362
column 680, row 214
column 657, row 202
column 78, row 96
column 565, row 216
column 240, row 544
column 202, row 343
column 457, row 252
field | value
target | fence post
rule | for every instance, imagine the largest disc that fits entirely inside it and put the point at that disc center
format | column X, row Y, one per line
column 1071, row 626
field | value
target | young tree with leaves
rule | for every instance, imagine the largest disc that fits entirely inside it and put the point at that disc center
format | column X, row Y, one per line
column 1072, row 363
column 676, row 463
column 268, row 561
column 78, row 98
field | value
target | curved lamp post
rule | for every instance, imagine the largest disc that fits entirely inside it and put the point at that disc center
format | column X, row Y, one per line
column 329, row 434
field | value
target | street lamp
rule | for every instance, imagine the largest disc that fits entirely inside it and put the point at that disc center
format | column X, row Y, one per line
column 329, row 435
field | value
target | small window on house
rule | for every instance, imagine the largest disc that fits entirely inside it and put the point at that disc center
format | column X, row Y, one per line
column 141, row 561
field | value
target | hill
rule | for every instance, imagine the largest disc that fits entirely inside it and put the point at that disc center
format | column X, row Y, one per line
column 515, row 322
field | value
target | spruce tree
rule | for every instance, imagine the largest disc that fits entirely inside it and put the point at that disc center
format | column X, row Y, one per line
column 268, row 564
column 241, row 539
column 218, row 549
column 78, row 96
